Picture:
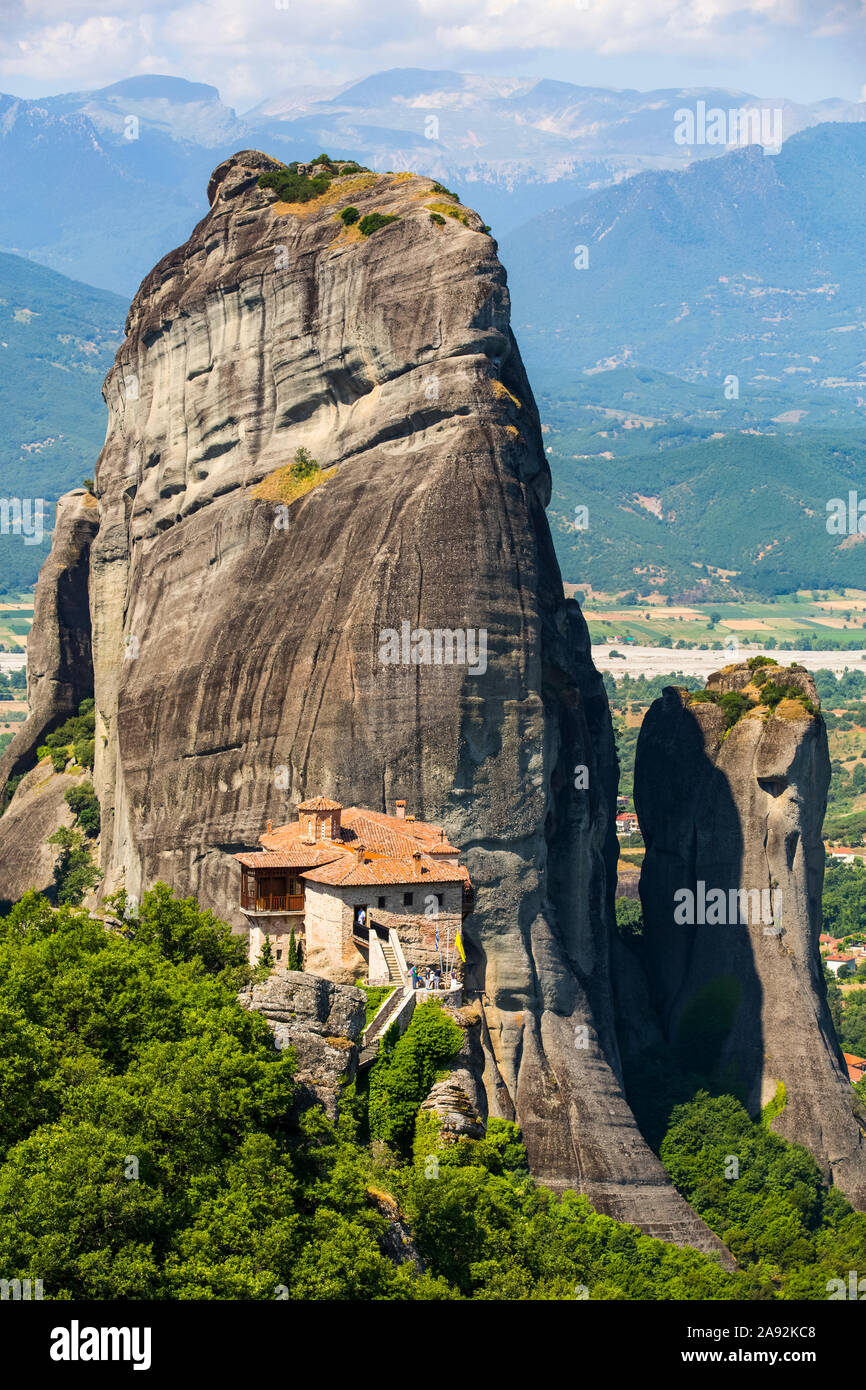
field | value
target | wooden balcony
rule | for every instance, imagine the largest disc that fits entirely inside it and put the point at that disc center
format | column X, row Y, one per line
column 272, row 902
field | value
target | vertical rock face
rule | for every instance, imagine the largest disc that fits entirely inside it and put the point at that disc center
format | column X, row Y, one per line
column 59, row 677
column 59, row 662
column 739, row 811
column 239, row 645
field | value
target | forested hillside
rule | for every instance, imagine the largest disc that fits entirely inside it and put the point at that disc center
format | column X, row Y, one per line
column 57, row 340
column 150, row 1147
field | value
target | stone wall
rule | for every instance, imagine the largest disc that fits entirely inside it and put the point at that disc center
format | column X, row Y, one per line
column 278, row 930
column 330, row 950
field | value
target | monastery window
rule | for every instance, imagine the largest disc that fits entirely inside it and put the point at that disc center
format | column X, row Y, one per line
column 382, row 901
column 408, row 899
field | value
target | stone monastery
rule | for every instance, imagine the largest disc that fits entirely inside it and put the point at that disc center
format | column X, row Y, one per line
column 366, row 894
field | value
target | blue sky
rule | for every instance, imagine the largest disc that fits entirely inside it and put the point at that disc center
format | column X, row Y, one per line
column 250, row 49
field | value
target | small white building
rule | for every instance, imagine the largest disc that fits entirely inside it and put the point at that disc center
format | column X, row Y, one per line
column 840, row 965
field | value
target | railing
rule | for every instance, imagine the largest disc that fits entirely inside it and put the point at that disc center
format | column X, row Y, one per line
column 273, row 902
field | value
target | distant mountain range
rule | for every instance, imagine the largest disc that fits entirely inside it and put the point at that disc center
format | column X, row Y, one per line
column 57, row 341
column 719, row 320
column 703, row 376
column 748, row 266
column 107, row 181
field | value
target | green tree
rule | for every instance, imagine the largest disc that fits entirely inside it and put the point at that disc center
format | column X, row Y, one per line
column 303, row 464
column 295, row 960
column 83, row 804
column 405, row 1071
column 74, row 870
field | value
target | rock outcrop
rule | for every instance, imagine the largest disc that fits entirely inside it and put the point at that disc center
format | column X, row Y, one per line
column 59, row 660
column 458, row 1101
column 59, row 677
column 732, row 816
column 36, row 811
column 240, row 640
column 320, row 1021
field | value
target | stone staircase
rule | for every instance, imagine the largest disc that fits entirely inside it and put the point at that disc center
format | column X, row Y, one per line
column 377, row 1029
column 392, row 963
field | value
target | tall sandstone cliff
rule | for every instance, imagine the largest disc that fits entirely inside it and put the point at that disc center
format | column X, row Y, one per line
column 744, row 1002
column 236, row 648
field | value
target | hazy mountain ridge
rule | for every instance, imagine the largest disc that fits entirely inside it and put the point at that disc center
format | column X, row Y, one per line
column 518, row 146
column 748, row 265
column 57, row 340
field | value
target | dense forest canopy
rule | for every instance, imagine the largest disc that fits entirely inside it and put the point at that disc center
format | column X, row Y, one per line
column 151, row 1147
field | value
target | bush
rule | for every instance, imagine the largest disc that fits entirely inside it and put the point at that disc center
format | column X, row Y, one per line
column 350, row 215
column 438, row 219
column 444, row 192
column 772, row 693
column 406, row 1069
column 629, row 917
column 74, row 871
column 83, row 804
column 75, row 736
column 374, row 221
column 84, row 752
column 733, row 702
column 303, row 464
column 292, row 187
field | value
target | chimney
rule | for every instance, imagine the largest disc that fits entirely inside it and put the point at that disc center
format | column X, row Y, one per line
column 400, row 808
column 270, row 827
column 360, row 851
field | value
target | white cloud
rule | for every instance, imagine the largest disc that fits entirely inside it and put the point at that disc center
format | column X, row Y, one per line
column 250, row 47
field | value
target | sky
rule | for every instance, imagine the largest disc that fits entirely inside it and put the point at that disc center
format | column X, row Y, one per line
column 805, row 50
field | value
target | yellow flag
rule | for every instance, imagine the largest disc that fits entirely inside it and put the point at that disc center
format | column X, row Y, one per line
column 458, row 941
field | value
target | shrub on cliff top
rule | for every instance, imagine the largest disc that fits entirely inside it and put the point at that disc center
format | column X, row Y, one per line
column 292, row 187
column 733, row 702
column 374, row 221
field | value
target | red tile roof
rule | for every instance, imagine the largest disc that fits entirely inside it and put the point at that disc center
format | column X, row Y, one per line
column 391, row 844
column 389, row 835
column 351, row 871
column 307, row 857
column 856, row 1066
